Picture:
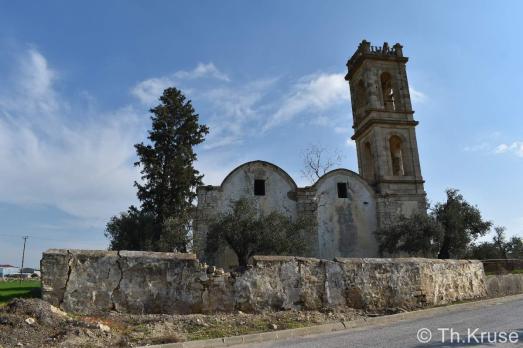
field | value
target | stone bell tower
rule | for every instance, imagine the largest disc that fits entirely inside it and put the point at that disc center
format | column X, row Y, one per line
column 384, row 129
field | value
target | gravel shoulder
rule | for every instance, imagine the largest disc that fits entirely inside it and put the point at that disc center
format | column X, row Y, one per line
column 35, row 323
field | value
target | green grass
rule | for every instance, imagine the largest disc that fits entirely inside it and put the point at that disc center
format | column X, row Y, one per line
column 10, row 289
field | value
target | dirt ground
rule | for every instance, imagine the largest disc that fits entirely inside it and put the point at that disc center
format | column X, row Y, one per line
column 35, row 323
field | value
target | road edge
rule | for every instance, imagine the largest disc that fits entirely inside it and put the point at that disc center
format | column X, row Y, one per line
column 333, row 327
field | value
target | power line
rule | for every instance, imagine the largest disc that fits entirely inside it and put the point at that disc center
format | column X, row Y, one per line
column 9, row 235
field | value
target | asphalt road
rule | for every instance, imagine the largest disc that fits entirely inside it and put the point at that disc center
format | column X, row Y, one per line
column 490, row 319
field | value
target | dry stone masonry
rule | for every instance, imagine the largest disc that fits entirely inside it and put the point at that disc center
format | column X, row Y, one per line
column 88, row 282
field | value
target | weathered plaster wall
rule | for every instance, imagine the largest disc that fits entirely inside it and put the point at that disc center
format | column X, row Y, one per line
column 280, row 195
column 279, row 188
column 339, row 226
column 146, row 282
column 345, row 225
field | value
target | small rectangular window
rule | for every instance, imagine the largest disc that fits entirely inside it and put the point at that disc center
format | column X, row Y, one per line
column 342, row 190
column 259, row 187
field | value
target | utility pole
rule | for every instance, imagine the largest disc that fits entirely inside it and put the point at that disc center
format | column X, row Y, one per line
column 23, row 257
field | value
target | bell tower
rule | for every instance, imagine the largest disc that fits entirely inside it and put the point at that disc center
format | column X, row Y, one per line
column 384, row 129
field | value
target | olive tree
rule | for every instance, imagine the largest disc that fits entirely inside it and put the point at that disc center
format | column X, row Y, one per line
column 249, row 232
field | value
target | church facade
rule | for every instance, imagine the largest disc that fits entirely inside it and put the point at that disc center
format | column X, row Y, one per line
column 346, row 207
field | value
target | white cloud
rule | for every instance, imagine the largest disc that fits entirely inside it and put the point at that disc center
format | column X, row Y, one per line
column 312, row 93
column 484, row 146
column 148, row 91
column 485, row 143
column 84, row 170
column 229, row 108
column 501, row 148
column 234, row 111
column 37, row 76
column 31, row 88
column 81, row 165
column 515, row 147
column 216, row 166
column 351, row 143
column 321, row 120
column 341, row 130
column 202, row 70
column 417, row 96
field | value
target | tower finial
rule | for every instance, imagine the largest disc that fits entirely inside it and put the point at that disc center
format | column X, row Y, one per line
column 364, row 46
column 385, row 48
column 398, row 49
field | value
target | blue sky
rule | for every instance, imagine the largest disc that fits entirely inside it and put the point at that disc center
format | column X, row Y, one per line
column 267, row 77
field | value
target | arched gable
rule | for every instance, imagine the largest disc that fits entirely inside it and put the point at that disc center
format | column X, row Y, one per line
column 272, row 167
column 346, row 215
column 347, row 172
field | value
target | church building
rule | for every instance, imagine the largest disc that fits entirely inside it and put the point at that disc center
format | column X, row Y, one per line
column 347, row 207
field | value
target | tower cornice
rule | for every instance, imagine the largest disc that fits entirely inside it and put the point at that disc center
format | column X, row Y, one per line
column 379, row 121
column 366, row 51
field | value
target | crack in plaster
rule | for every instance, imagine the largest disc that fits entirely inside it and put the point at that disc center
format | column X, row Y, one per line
column 117, row 288
column 69, row 270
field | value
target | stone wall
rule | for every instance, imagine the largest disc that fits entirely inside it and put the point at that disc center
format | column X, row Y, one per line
column 503, row 285
column 145, row 282
column 374, row 284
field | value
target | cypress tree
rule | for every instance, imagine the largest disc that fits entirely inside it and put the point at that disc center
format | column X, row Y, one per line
column 169, row 180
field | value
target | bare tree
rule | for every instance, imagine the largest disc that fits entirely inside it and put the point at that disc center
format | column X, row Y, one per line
column 318, row 161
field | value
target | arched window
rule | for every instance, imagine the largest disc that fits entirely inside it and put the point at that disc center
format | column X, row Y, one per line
column 369, row 162
column 387, row 92
column 396, row 156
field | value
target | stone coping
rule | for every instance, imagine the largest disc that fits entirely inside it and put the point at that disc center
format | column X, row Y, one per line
column 277, row 258
column 257, row 258
column 123, row 253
